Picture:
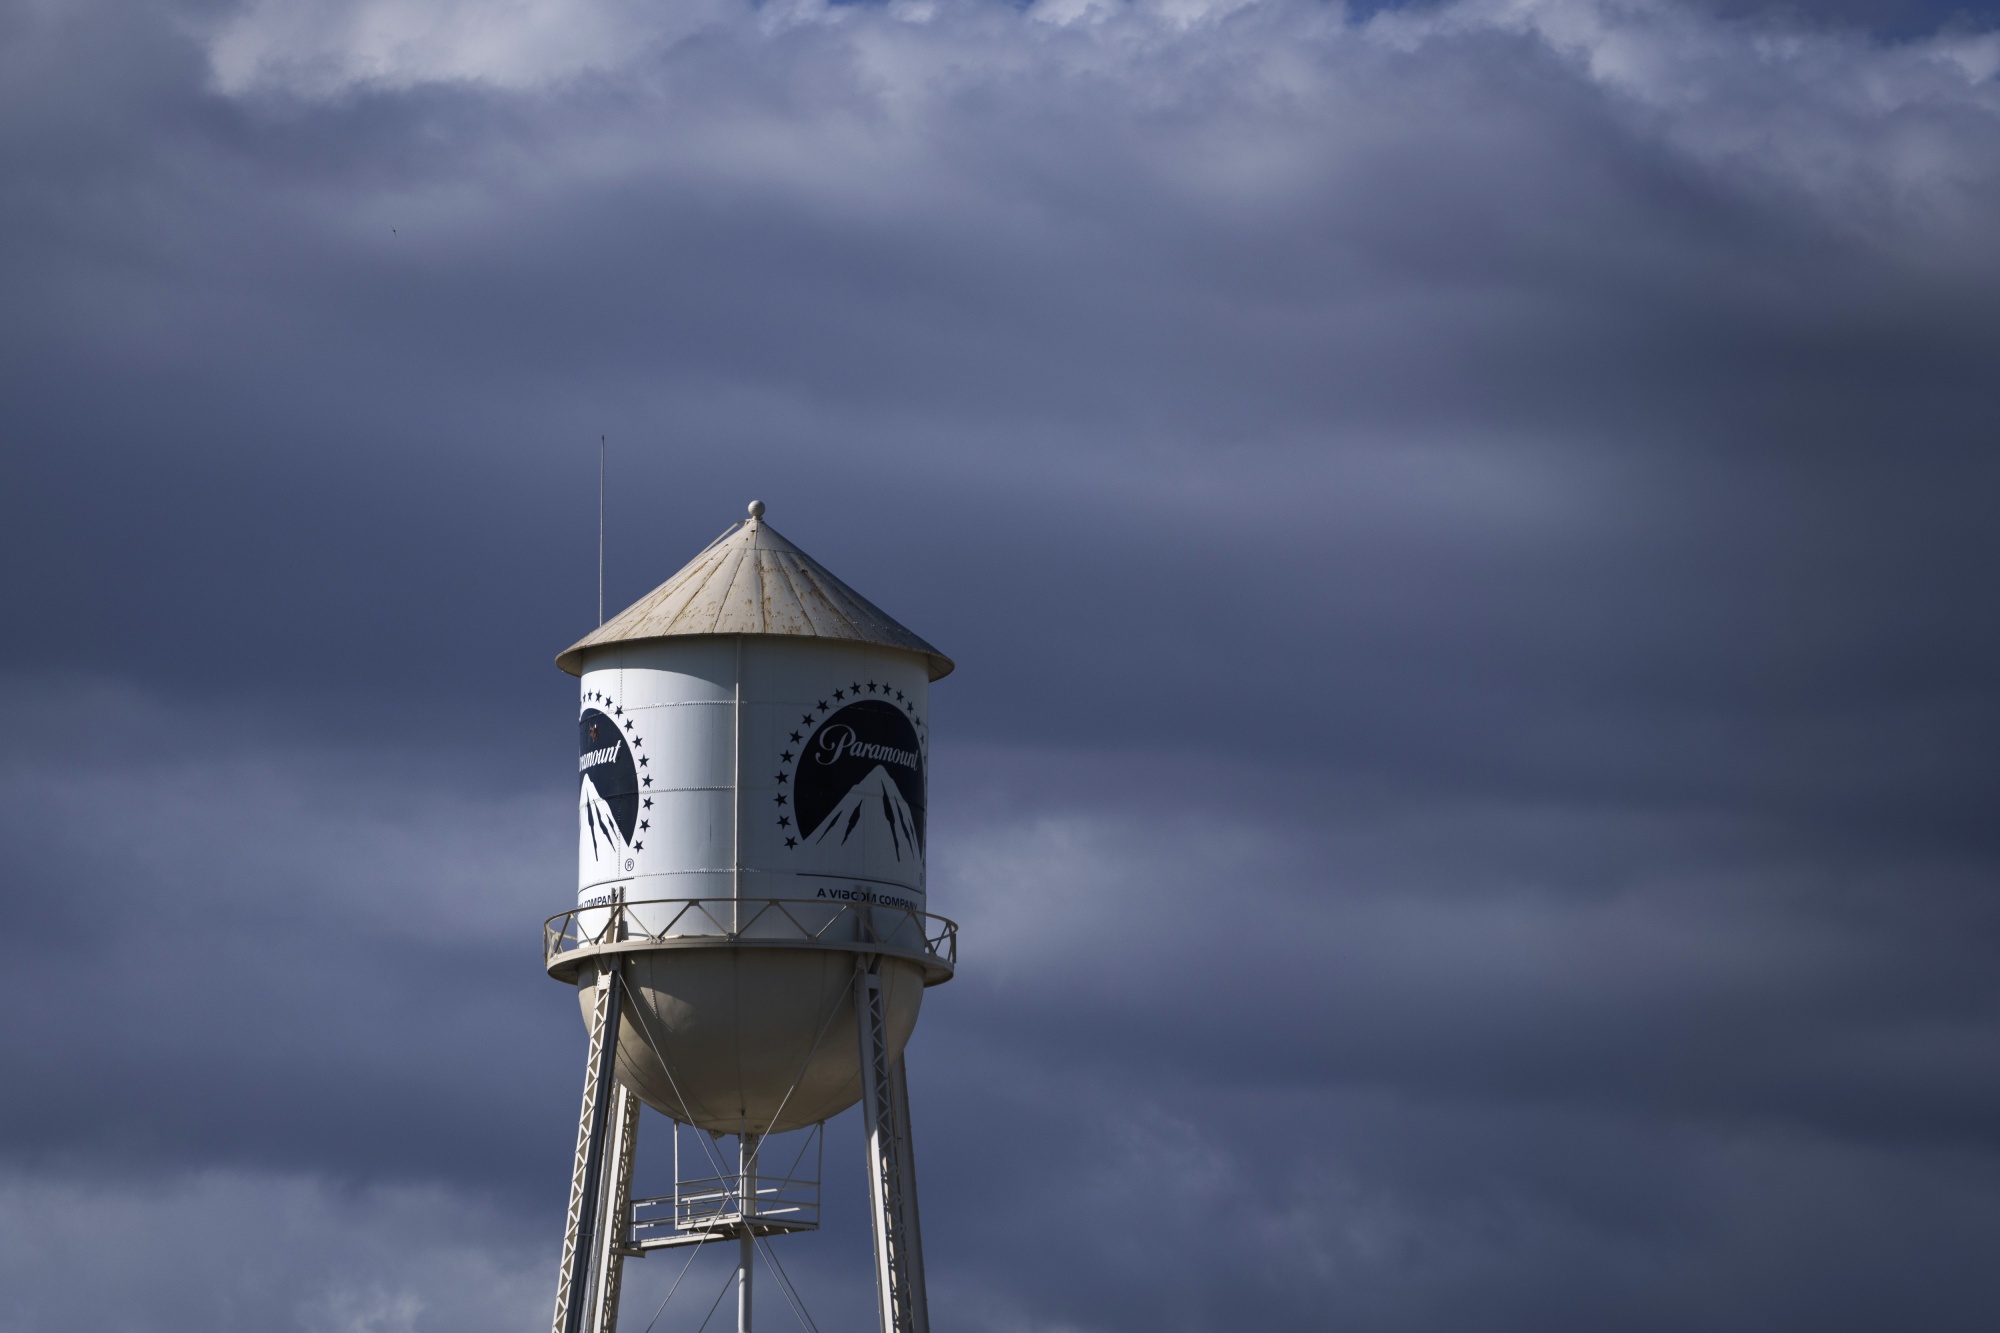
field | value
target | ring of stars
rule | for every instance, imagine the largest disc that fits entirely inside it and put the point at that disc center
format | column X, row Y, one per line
column 603, row 703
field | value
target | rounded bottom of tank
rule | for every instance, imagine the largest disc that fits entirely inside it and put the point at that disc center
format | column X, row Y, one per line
column 735, row 1039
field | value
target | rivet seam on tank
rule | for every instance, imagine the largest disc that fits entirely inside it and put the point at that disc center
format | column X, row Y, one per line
column 859, row 757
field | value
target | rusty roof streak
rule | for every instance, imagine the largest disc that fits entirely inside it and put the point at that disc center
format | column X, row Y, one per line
column 805, row 603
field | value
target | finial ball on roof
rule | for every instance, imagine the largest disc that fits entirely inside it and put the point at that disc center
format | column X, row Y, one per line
column 756, row 509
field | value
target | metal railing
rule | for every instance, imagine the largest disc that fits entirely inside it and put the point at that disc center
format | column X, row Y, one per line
column 809, row 922
column 696, row 1205
column 753, row 1198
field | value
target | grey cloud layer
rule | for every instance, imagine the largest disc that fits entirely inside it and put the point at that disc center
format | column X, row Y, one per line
column 1465, row 530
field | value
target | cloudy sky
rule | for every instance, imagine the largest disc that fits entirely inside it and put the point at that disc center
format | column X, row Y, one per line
column 1467, row 528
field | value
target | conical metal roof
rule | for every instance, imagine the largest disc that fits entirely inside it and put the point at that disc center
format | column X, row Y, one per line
column 750, row 580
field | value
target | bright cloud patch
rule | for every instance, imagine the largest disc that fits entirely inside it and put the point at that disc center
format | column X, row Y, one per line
column 330, row 50
column 1236, row 102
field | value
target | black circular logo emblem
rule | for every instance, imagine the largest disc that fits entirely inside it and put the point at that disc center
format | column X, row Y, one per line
column 859, row 771
column 610, row 795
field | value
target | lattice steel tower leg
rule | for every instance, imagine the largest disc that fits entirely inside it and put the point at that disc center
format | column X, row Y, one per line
column 892, row 1184
column 615, row 1217
column 584, row 1231
column 906, row 1169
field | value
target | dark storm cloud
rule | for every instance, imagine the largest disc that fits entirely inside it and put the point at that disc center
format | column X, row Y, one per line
column 233, row 946
column 1464, row 528
column 1634, row 962
column 1491, row 283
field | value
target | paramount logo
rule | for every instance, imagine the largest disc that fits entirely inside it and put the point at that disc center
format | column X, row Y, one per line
column 836, row 742
column 592, row 758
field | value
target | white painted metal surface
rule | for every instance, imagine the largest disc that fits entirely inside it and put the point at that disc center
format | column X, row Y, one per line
column 759, row 1038
column 760, row 767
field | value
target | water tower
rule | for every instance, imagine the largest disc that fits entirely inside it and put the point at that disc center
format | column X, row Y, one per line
column 750, row 944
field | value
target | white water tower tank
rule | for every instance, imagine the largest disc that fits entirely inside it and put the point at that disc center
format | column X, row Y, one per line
column 754, row 741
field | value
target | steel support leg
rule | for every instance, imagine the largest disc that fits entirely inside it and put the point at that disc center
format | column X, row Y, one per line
column 746, row 1244
column 615, row 1217
column 906, row 1170
column 581, row 1230
column 899, row 1284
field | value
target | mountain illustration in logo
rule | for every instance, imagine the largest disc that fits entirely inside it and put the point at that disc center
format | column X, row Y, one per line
column 607, row 801
column 859, row 778
column 601, row 842
column 874, row 798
